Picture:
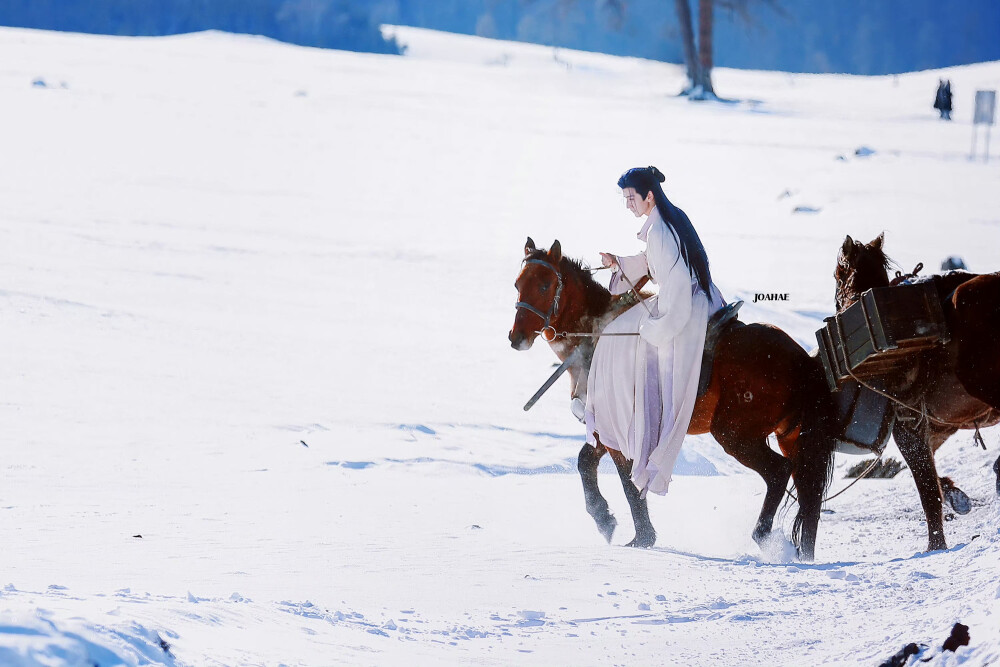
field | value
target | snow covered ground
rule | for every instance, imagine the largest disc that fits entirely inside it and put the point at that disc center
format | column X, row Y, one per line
column 257, row 405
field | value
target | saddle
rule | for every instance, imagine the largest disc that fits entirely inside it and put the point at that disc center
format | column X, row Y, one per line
column 719, row 323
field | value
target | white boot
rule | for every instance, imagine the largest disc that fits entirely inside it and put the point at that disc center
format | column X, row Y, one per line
column 577, row 407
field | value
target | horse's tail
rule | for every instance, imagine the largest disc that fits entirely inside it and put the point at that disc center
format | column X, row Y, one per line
column 812, row 469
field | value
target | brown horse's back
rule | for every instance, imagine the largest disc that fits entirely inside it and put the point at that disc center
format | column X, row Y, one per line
column 975, row 316
column 762, row 383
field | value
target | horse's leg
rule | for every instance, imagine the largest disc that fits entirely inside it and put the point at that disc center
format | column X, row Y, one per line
column 917, row 454
column 645, row 535
column 996, row 469
column 955, row 496
column 774, row 468
column 597, row 506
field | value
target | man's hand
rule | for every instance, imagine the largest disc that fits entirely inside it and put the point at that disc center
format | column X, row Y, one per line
column 608, row 259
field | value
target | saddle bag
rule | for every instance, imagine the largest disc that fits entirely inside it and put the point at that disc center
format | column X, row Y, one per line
column 886, row 325
column 864, row 419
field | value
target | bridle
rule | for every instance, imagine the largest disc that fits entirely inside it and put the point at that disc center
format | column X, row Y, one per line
column 548, row 331
column 580, row 353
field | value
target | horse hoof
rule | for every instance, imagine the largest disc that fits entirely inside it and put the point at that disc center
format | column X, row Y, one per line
column 937, row 544
column 760, row 536
column 607, row 527
column 642, row 541
column 958, row 500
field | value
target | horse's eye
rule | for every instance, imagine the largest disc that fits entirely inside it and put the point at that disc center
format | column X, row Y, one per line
column 543, row 289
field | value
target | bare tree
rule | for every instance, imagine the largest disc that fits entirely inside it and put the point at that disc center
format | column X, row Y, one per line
column 698, row 54
column 687, row 38
column 703, row 84
column 699, row 58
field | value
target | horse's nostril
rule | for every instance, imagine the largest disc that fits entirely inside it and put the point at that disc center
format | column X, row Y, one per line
column 518, row 340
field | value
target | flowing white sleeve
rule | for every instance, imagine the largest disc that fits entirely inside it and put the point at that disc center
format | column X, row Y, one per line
column 634, row 267
column 674, row 303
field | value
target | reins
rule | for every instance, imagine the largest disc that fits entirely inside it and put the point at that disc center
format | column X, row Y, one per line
column 548, row 332
column 635, row 291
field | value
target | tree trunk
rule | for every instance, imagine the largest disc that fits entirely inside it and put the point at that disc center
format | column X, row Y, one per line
column 704, row 81
column 687, row 37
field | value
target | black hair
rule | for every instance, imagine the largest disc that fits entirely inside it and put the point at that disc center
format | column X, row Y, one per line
column 647, row 179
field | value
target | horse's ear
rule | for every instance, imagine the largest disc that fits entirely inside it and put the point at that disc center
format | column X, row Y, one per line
column 555, row 252
column 879, row 240
column 529, row 247
column 847, row 248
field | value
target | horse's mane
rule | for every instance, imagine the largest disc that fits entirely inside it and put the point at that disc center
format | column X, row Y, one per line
column 597, row 295
column 583, row 270
column 883, row 259
column 577, row 266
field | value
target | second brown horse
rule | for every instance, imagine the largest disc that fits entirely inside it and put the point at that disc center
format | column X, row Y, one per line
column 941, row 390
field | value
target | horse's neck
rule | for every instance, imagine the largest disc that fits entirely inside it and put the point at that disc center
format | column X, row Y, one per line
column 851, row 290
column 583, row 314
column 598, row 304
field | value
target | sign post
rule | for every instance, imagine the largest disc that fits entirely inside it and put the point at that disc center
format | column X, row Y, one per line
column 986, row 107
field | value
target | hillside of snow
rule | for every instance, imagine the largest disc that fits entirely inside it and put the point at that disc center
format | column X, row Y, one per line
column 257, row 402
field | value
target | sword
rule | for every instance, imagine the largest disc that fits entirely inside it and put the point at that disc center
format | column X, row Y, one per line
column 638, row 297
column 635, row 291
column 570, row 360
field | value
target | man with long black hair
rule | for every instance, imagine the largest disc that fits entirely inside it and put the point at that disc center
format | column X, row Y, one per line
column 642, row 389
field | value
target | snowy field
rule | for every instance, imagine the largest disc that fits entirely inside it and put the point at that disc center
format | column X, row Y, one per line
column 257, row 403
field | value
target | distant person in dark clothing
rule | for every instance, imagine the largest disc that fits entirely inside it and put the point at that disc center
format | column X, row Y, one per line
column 942, row 101
column 954, row 263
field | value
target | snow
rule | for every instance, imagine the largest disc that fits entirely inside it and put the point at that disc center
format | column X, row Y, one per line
column 257, row 402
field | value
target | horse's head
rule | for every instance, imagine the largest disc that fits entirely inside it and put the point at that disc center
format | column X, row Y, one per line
column 860, row 266
column 539, row 288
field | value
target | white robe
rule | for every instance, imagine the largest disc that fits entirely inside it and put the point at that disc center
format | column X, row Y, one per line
column 642, row 389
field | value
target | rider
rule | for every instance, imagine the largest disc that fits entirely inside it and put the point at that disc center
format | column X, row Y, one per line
column 642, row 389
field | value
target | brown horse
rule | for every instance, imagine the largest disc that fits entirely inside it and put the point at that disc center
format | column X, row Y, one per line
column 957, row 384
column 762, row 382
